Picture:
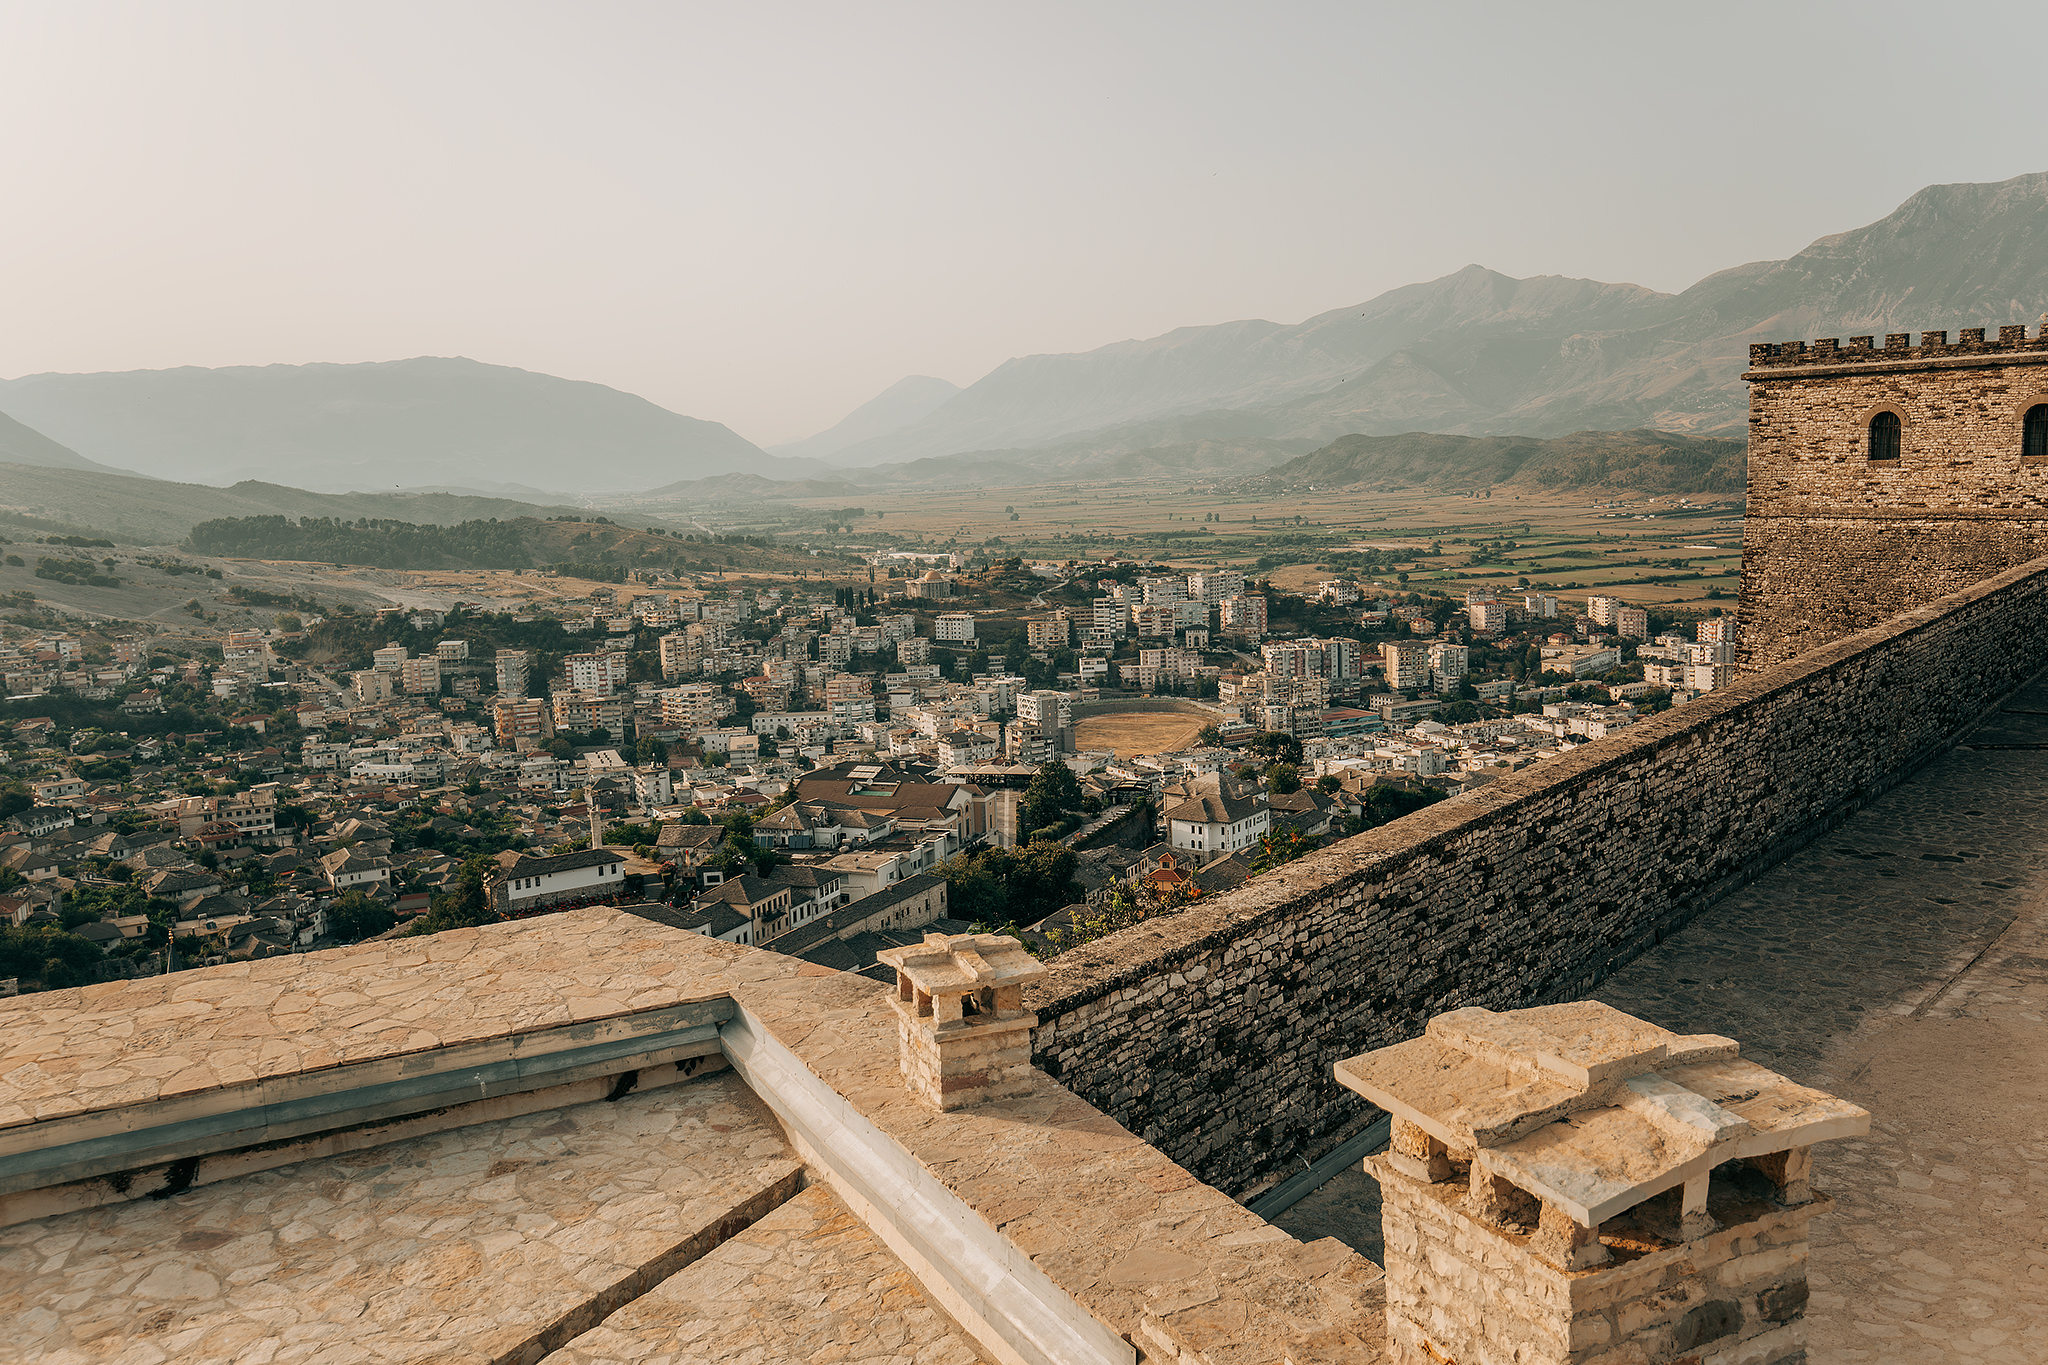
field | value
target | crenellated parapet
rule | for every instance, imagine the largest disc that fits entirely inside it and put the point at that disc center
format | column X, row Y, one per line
column 1898, row 346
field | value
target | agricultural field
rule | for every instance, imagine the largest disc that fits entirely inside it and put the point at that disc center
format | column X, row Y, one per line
column 1650, row 550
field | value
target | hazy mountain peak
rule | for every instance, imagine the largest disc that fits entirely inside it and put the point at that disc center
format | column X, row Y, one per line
column 907, row 400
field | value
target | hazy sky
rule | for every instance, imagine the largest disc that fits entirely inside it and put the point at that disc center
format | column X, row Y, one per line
column 763, row 214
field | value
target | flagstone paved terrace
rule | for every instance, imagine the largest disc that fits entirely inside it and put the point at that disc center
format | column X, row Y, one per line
column 1901, row 962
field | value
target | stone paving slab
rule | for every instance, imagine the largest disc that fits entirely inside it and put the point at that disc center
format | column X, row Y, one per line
column 1900, row 962
column 480, row 1243
column 808, row 1282
column 125, row 1043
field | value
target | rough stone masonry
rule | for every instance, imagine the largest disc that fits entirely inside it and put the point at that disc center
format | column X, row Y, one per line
column 1839, row 533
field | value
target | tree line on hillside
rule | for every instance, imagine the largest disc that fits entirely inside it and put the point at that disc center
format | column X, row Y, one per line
column 381, row 543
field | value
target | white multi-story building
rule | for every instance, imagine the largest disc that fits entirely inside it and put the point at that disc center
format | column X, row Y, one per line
column 1152, row 619
column 680, row 654
column 1447, row 664
column 1540, row 604
column 1405, row 665
column 1216, row 585
column 691, row 707
column 1172, row 588
column 1602, row 610
column 1049, row 713
column 511, row 666
column 1632, row 623
column 913, row 649
column 421, row 676
column 1716, row 630
column 954, row 627
column 599, row 674
column 389, row 659
column 452, row 651
column 1107, row 620
column 1051, row 633
column 1487, row 618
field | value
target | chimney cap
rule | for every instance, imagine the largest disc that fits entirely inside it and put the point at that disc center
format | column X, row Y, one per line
column 954, row 964
column 1648, row 1109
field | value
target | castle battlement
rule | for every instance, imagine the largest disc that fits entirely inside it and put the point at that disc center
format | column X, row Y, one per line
column 1897, row 346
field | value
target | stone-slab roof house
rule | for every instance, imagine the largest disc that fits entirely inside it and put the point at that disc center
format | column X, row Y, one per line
column 1216, row 816
column 529, row 882
column 351, row 869
column 38, row 821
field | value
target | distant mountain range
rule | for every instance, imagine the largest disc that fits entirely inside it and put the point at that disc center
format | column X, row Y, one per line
column 902, row 403
column 1478, row 353
column 389, row 424
column 1472, row 354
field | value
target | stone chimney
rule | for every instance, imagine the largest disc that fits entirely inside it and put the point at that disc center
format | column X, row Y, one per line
column 1568, row 1182
column 963, row 1033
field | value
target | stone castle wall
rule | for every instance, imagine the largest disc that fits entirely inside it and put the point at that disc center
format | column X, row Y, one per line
column 1212, row 1033
column 1835, row 541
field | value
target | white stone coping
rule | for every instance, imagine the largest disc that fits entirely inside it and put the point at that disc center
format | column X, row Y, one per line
column 1010, row 1306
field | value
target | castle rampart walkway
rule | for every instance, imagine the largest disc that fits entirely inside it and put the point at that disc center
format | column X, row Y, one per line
column 1902, row 963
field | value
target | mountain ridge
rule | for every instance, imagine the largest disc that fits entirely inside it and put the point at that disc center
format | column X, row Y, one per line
column 378, row 424
column 1480, row 353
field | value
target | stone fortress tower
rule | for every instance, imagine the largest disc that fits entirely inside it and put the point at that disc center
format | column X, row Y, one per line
column 1883, row 477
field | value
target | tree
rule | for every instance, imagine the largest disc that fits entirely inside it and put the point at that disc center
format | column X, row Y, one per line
column 1284, row 779
column 356, row 917
column 1210, row 737
column 1277, row 744
column 1053, row 791
column 468, row 906
column 1282, row 846
column 1328, row 783
column 1010, row 885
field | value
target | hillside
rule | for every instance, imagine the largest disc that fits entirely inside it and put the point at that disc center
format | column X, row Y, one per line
column 597, row 549
column 896, row 407
column 140, row 511
column 745, row 488
column 389, row 424
column 26, row 445
column 1478, row 353
column 1639, row 461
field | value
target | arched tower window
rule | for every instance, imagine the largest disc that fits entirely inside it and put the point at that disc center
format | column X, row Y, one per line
column 2034, row 436
column 1884, row 436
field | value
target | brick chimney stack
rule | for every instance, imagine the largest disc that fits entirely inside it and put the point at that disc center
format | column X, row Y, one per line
column 1569, row 1181
column 963, row 1033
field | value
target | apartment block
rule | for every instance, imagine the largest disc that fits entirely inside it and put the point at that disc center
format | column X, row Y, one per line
column 512, row 665
column 523, row 723
column 1405, row 665
column 1244, row 617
